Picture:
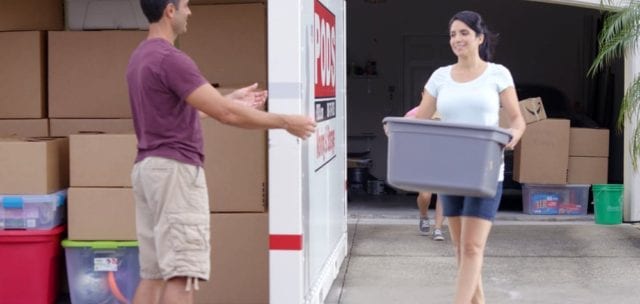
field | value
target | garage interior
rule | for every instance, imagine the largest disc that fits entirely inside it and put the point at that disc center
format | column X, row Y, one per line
column 394, row 46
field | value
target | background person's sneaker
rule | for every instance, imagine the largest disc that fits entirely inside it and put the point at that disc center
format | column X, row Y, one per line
column 437, row 235
column 424, row 226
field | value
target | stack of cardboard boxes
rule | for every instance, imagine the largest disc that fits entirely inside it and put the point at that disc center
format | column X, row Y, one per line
column 34, row 175
column 556, row 163
column 23, row 84
column 228, row 42
column 71, row 84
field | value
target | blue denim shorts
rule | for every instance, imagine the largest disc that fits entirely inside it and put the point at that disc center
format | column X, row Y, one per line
column 482, row 207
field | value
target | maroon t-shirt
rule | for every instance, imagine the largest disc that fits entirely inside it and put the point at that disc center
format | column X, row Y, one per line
column 160, row 77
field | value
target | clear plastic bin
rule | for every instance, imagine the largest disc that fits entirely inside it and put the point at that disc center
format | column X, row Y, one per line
column 32, row 212
column 555, row 199
column 445, row 158
column 102, row 271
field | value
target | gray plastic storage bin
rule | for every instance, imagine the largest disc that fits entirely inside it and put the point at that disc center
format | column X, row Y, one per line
column 32, row 212
column 444, row 158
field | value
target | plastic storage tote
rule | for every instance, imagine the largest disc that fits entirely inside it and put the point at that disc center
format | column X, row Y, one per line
column 32, row 211
column 102, row 271
column 104, row 15
column 555, row 199
column 446, row 158
column 29, row 263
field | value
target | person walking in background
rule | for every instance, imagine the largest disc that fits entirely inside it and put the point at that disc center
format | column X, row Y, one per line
column 424, row 201
column 168, row 94
column 471, row 91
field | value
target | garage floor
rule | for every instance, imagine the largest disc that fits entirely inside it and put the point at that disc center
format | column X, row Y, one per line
column 529, row 259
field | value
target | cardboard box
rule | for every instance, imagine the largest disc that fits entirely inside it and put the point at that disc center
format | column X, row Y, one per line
column 104, row 15
column 31, row 15
column 588, row 170
column 24, row 127
column 66, row 127
column 542, row 156
column 589, row 142
column 239, row 260
column 532, row 110
column 242, row 58
column 235, row 167
column 34, row 166
column 22, row 77
column 87, row 73
column 101, row 160
column 101, row 214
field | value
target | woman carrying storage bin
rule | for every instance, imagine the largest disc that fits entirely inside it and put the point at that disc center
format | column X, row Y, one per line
column 471, row 91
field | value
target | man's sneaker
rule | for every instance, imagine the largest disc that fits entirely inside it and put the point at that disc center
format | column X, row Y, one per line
column 437, row 235
column 424, row 226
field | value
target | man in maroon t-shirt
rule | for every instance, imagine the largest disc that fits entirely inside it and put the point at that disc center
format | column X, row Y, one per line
column 168, row 95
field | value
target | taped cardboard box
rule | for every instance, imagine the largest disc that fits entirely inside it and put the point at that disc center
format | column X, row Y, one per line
column 22, row 77
column 87, row 73
column 34, row 165
column 101, row 160
column 239, row 260
column 589, row 142
column 532, row 110
column 66, row 127
column 588, row 170
column 31, row 15
column 242, row 58
column 101, row 214
column 542, row 156
column 235, row 167
column 24, row 127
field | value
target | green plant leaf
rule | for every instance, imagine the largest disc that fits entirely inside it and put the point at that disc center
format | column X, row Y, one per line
column 619, row 37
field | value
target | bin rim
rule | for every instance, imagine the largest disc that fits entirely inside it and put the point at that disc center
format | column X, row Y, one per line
column 33, row 232
column 98, row 244
column 431, row 122
column 616, row 186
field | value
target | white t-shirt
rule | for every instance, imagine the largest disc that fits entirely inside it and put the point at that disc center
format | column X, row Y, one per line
column 473, row 102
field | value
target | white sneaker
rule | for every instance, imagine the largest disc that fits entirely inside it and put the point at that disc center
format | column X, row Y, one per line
column 437, row 235
column 424, row 226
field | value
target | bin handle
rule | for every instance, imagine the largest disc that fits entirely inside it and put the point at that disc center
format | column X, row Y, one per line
column 113, row 286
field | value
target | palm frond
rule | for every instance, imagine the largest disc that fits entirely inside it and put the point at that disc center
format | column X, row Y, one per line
column 634, row 147
column 630, row 105
column 620, row 34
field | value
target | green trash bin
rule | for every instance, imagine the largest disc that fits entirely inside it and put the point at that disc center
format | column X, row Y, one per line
column 607, row 199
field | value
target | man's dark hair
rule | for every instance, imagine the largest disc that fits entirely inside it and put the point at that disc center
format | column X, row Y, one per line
column 153, row 9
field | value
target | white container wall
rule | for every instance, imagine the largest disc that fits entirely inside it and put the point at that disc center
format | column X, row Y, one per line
column 307, row 193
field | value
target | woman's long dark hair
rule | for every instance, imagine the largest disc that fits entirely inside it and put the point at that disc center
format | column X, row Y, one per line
column 474, row 21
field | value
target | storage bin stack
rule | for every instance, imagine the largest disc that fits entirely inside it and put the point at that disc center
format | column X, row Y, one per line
column 33, row 184
column 34, row 174
column 89, row 104
column 557, row 164
column 101, row 251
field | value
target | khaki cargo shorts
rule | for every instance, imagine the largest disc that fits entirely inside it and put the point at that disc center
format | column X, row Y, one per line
column 172, row 219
